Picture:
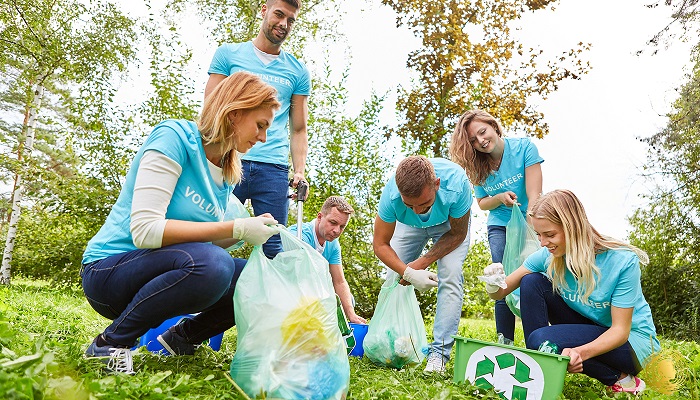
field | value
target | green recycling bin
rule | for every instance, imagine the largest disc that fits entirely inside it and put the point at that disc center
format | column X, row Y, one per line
column 513, row 372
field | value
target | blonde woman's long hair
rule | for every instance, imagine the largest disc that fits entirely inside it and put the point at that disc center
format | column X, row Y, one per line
column 240, row 91
column 583, row 242
column 476, row 164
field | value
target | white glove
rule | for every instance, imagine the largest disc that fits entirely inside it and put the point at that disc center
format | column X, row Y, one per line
column 420, row 278
column 494, row 277
column 494, row 269
column 254, row 230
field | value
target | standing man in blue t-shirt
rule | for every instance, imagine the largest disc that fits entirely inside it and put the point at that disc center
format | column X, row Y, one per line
column 266, row 165
column 322, row 234
column 427, row 199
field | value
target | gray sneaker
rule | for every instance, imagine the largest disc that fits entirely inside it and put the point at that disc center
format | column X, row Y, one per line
column 175, row 344
column 504, row 340
column 436, row 363
column 118, row 359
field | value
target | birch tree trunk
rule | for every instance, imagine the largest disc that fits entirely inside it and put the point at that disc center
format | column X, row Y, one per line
column 19, row 187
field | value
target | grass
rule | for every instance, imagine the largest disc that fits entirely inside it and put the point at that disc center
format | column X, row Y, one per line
column 44, row 332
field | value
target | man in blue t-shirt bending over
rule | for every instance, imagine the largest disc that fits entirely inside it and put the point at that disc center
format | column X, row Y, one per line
column 266, row 165
column 427, row 199
column 322, row 234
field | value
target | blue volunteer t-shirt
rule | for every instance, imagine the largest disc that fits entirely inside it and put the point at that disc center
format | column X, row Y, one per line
column 196, row 196
column 286, row 74
column 453, row 199
column 619, row 285
column 331, row 250
column 518, row 154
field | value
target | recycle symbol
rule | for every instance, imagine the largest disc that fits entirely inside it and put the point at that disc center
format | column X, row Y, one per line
column 487, row 367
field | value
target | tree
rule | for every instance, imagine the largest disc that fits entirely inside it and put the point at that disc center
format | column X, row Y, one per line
column 469, row 59
column 238, row 21
column 684, row 13
column 669, row 227
column 347, row 158
column 59, row 44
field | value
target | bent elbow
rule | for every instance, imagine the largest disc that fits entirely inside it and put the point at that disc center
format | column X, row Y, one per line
column 147, row 235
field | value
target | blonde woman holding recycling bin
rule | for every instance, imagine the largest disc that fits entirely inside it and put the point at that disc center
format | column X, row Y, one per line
column 588, row 287
column 505, row 172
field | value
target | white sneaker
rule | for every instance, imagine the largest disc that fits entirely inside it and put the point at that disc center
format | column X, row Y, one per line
column 117, row 359
column 436, row 363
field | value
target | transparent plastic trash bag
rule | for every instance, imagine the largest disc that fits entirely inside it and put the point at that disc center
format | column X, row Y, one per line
column 396, row 335
column 289, row 344
column 235, row 209
column 521, row 241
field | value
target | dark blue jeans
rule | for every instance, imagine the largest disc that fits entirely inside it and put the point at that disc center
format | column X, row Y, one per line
column 140, row 289
column 505, row 319
column 540, row 306
column 267, row 187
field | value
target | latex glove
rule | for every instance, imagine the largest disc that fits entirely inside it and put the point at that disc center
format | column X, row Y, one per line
column 494, row 269
column 254, row 230
column 494, row 277
column 421, row 279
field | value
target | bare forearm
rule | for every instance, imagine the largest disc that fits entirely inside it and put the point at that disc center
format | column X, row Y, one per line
column 609, row 340
column 489, row 203
column 177, row 231
column 343, row 291
column 444, row 246
column 299, row 145
column 388, row 256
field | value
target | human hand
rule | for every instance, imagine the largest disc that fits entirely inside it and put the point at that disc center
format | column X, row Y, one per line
column 508, row 198
column 494, row 277
column 420, row 278
column 356, row 319
column 494, row 269
column 304, row 192
column 255, row 230
column 576, row 361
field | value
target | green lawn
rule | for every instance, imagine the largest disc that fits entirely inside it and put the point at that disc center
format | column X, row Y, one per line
column 44, row 331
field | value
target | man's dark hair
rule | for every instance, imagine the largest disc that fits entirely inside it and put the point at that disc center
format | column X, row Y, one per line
column 294, row 3
column 414, row 174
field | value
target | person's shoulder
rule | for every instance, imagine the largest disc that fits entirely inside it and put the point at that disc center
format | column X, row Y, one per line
column 517, row 143
column 390, row 193
column 445, row 165
column 620, row 256
column 182, row 127
column 291, row 58
column 539, row 260
column 175, row 137
column 451, row 175
column 235, row 45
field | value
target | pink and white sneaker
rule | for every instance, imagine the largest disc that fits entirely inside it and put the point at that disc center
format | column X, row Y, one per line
column 638, row 387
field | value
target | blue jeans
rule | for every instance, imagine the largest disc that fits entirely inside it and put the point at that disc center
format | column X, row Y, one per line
column 408, row 243
column 540, row 306
column 505, row 319
column 140, row 289
column 267, row 187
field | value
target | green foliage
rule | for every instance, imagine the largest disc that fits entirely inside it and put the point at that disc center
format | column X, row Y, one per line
column 239, row 20
column 347, row 158
column 477, row 303
column 44, row 331
column 172, row 87
column 667, row 229
column 469, row 59
column 52, row 245
column 69, row 51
